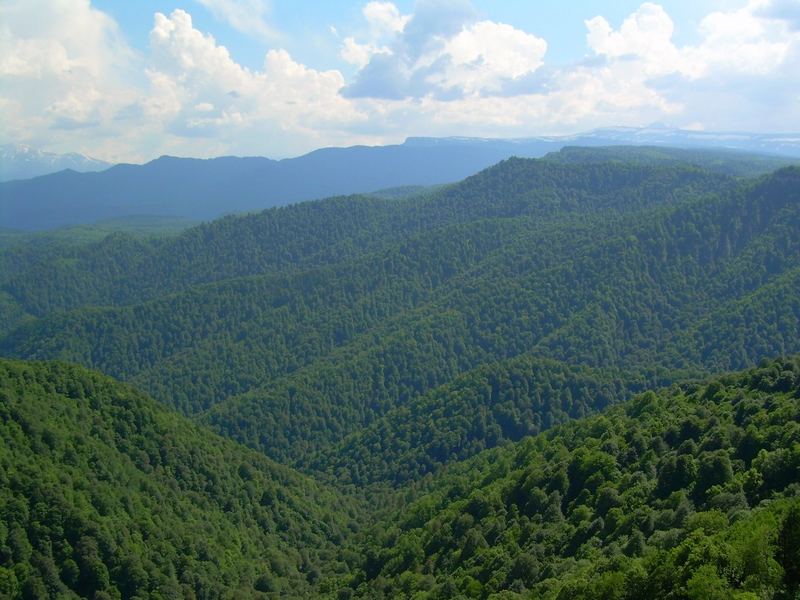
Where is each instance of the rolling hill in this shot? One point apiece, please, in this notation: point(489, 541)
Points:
point(691, 492)
point(107, 493)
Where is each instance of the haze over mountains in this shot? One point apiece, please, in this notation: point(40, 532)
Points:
point(204, 189)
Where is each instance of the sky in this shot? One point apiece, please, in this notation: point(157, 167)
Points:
point(130, 80)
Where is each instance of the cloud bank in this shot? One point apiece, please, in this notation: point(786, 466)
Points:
point(68, 80)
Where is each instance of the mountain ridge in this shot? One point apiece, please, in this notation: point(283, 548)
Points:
point(208, 188)
point(331, 314)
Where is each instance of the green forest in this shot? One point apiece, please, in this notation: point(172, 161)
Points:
point(566, 377)
point(690, 492)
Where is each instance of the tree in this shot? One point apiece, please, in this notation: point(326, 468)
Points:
point(789, 550)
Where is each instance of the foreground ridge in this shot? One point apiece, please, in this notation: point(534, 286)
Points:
point(106, 494)
point(690, 492)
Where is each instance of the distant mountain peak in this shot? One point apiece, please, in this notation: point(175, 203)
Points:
point(21, 161)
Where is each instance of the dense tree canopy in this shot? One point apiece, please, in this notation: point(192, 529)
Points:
point(692, 492)
point(298, 326)
point(104, 493)
point(430, 359)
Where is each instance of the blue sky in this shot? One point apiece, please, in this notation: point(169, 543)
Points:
point(130, 80)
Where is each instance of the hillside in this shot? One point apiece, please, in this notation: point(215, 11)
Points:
point(613, 305)
point(735, 163)
point(691, 492)
point(207, 188)
point(298, 329)
point(427, 393)
point(104, 493)
point(688, 492)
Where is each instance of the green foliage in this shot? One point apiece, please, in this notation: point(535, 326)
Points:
point(102, 491)
point(627, 522)
point(729, 162)
point(377, 342)
point(483, 408)
point(313, 331)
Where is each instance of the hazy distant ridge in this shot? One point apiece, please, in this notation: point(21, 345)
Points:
point(208, 188)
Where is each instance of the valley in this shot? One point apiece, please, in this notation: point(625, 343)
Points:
point(557, 377)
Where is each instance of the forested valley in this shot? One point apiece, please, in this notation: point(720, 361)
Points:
point(568, 377)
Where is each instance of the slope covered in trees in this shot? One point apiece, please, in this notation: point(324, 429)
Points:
point(406, 346)
point(121, 270)
point(298, 327)
point(206, 189)
point(104, 493)
point(691, 492)
point(719, 160)
point(616, 303)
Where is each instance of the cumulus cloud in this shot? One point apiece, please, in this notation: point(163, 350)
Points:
point(484, 55)
point(384, 17)
point(646, 36)
point(198, 89)
point(784, 10)
point(739, 41)
point(740, 54)
point(444, 51)
point(488, 78)
point(360, 54)
point(384, 21)
point(64, 67)
point(68, 81)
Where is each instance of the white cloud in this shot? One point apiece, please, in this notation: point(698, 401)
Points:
point(442, 50)
point(485, 54)
point(69, 82)
point(64, 73)
point(266, 111)
point(247, 16)
point(740, 73)
point(384, 17)
point(787, 11)
point(384, 22)
point(740, 41)
point(646, 35)
point(736, 41)
point(360, 54)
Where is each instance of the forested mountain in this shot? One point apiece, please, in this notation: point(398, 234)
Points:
point(443, 346)
point(202, 189)
point(729, 162)
point(303, 331)
point(123, 270)
point(143, 226)
point(106, 494)
point(693, 492)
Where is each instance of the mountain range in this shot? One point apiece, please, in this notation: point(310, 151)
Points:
point(203, 189)
point(518, 385)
